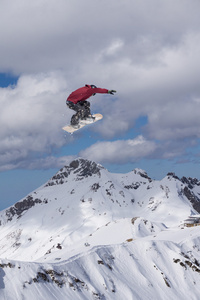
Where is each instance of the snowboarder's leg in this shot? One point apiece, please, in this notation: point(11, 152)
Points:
point(86, 111)
point(82, 109)
point(76, 117)
point(75, 120)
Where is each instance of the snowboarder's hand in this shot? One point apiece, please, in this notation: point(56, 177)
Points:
point(111, 92)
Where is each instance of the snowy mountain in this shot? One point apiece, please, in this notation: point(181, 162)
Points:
point(91, 234)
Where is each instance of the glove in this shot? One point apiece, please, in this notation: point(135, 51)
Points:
point(111, 92)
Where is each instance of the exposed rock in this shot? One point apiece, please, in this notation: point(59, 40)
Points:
point(21, 206)
point(142, 173)
point(173, 175)
point(190, 182)
point(81, 167)
point(195, 201)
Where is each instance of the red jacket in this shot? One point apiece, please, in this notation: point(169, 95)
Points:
point(84, 93)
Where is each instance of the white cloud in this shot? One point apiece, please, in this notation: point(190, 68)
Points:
point(44, 35)
point(31, 117)
point(120, 151)
point(166, 93)
point(48, 162)
point(147, 51)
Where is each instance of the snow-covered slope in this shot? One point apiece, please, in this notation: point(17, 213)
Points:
point(91, 234)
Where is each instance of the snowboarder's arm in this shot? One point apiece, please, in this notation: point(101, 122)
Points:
point(100, 90)
point(103, 91)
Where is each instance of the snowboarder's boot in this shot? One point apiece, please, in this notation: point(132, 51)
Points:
point(89, 118)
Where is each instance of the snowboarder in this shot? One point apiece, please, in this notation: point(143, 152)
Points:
point(77, 102)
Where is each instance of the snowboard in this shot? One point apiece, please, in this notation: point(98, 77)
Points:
point(82, 123)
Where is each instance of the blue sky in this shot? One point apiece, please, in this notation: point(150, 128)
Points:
point(150, 57)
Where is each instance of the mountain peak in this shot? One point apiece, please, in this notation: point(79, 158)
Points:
point(80, 168)
point(172, 175)
point(54, 238)
point(85, 167)
point(142, 173)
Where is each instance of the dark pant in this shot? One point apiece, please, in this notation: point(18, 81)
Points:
point(82, 110)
